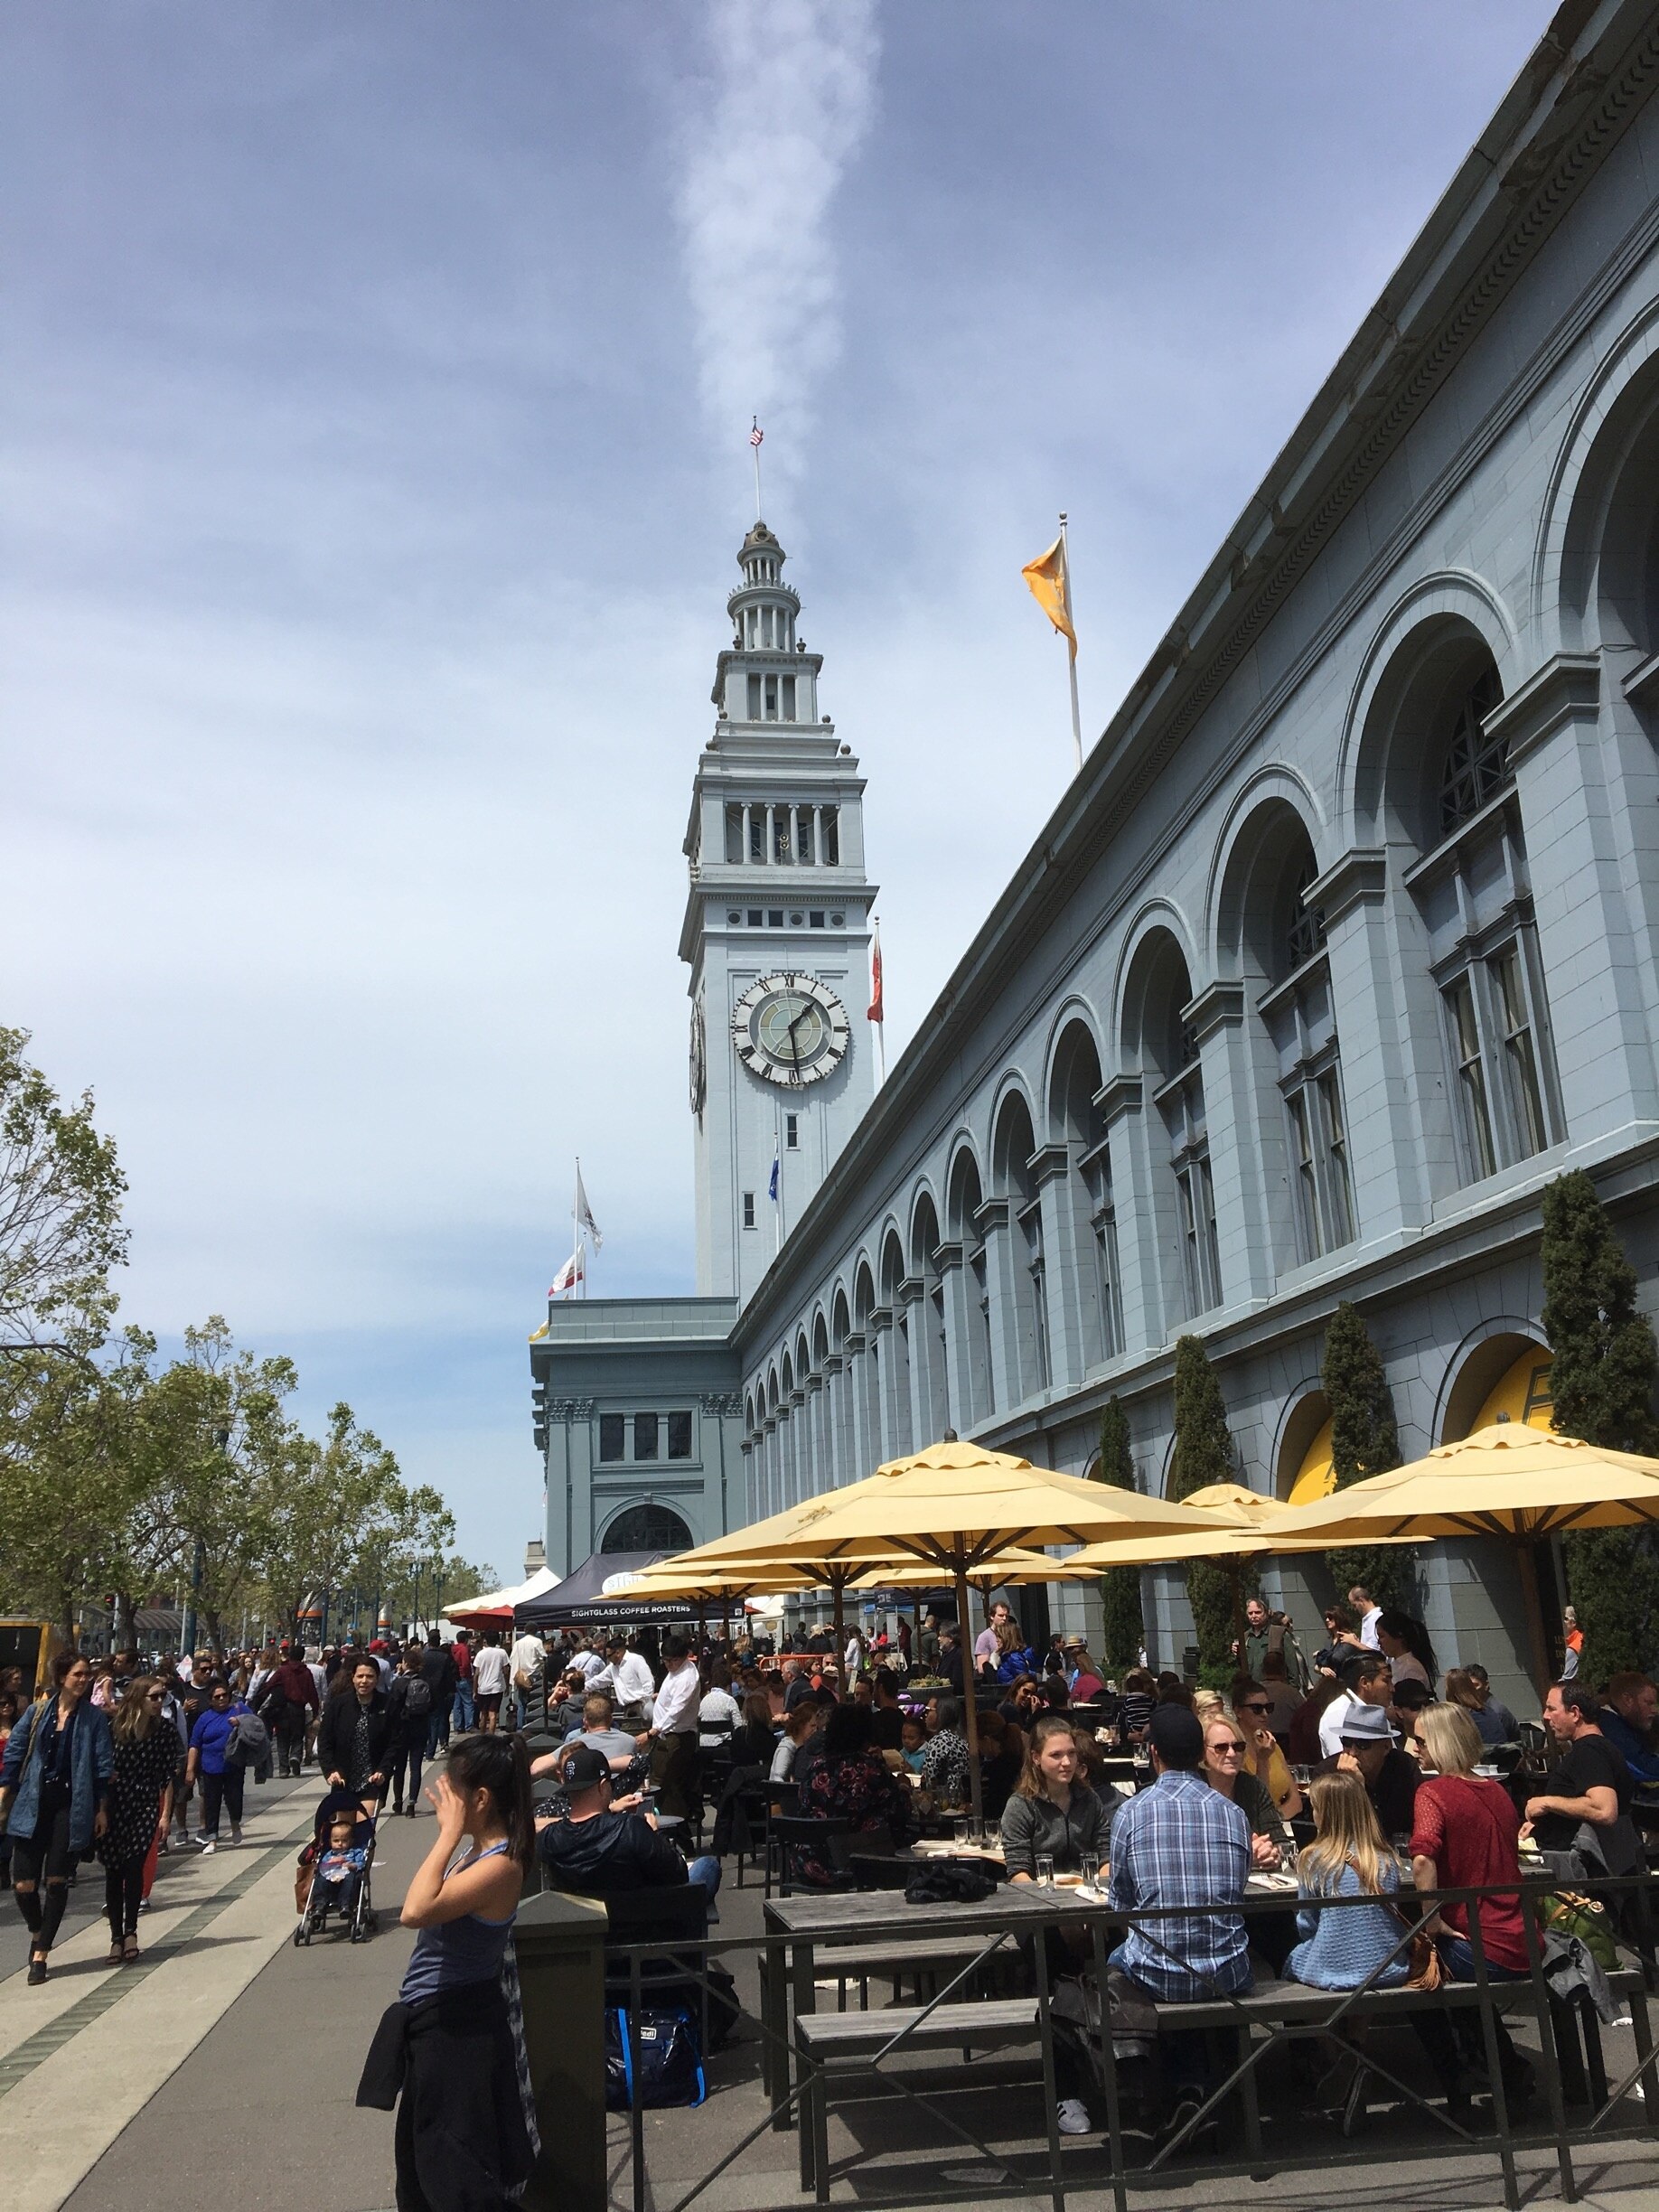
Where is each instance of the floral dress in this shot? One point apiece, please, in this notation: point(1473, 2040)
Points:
point(143, 1769)
point(860, 1791)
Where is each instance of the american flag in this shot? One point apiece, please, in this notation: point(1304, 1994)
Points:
point(756, 435)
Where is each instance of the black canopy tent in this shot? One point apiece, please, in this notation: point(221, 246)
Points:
point(580, 1600)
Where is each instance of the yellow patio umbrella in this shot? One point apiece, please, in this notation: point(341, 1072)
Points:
point(950, 1507)
point(1511, 1481)
point(1013, 1566)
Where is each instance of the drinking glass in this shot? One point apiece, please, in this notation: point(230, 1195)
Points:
point(1044, 1872)
point(1301, 1776)
point(1090, 1863)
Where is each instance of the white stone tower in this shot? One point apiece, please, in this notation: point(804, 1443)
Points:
point(776, 932)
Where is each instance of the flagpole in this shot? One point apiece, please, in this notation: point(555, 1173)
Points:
point(576, 1221)
point(1071, 656)
point(754, 446)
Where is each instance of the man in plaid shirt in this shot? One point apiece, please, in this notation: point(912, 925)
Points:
point(1181, 1843)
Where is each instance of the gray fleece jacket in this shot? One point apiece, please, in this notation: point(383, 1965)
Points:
point(1036, 1827)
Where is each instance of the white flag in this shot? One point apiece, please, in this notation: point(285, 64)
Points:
point(585, 1212)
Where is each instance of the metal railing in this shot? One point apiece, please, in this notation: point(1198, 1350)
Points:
point(1109, 2161)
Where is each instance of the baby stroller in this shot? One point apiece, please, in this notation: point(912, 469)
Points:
point(345, 1903)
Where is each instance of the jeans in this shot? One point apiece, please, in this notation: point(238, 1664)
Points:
point(520, 1709)
point(123, 1892)
point(406, 1760)
point(705, 1872)
point(463, 1714)
point(1184, 2051)
point(46, 1851)
point(224, 1790)
point(290, 1734)
point(1453, 2042)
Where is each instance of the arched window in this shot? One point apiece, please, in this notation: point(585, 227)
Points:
point(898, 1373)
point(963, 1204)
point(930, 1317)
point(1012, 1148)
point(1089, 1210)
point(1282, 959)
point(1167, 1048)
point(1473, 892)
point(649, 1527)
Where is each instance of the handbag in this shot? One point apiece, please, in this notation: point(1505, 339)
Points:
point(1426, 1972)
point(652, 2059)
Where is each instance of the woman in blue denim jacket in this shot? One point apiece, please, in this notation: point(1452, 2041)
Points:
point(54, 1786)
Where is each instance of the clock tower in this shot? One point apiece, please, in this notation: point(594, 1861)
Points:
point(776, 934)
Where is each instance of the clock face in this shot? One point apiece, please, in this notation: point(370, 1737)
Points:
point(789, 1029)
point(699, 1058)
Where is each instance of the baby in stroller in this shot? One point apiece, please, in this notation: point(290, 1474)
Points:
point(336, 1867)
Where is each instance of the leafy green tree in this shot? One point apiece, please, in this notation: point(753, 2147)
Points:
point(1125, 1630)
point(335, 1513)
point(1204, 1454)
point(1601, 1383)
point(1365, 1440)
point(61, 1230)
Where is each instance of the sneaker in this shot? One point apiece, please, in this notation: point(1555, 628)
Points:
point(210, 1847)
point(1071, 2117)
point(236, 1835)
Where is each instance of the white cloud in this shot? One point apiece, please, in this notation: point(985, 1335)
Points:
point(793, 94)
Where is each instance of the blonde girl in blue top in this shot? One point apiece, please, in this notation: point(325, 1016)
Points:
point(1348, 1858)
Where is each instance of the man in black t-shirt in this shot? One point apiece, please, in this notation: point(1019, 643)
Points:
point(1591, 1782)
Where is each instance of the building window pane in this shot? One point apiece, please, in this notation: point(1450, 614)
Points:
point(734, 834)
point(610, 1444)
point(832, 838)
point(791, 1133)
point(753, 917)
point(789, 698)
point(774, 917)
point(1189, 1244)
point(757, 833)
point(1471, 1076)
point(1308, 1188)
point(1520, 1061)
point(1212, 1245)
point(1305, 932)
point(1336, 1155)
point(772, 698)
point(780, 834)
point(748, 1209)
point(679, 1436)
point(803, 836)
point(755, 699)
point(645, 1436)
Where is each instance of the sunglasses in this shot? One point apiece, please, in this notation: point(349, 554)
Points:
point(1252, 1707)
point(1227, 1751)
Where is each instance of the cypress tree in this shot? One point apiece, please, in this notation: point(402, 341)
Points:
point(1601, 1383)
point(1365, 1440)
point(1204, 1454)
point(1120, 1586)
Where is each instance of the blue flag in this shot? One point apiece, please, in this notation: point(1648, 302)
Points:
point(772, 1188)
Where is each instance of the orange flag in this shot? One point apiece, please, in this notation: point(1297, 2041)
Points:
point(1050, 588)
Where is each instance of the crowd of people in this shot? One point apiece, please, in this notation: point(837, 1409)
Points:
point(1360, 1767)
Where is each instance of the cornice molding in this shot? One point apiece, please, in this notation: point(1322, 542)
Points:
point(1121, 1095)
point(1050, 1163)
point(1360, 878)
point(1218, 1006)
point(1566, 690)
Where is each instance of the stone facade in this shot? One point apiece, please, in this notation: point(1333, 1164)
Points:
point(1344, 941)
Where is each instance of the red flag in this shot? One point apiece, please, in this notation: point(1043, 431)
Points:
point(874, 1013)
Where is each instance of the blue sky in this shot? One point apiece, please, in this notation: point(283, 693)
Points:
point(374, 455)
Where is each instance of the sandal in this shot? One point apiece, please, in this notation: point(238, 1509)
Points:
point(116, 1953)
point(129, 1950)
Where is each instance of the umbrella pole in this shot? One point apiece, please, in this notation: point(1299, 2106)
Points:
point(1543, 1674)
point(970, 1702)
point(840, 1588)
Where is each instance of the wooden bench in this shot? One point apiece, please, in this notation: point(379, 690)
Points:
point(927, 1960)
point(1294, 2003)
point(844, 2042)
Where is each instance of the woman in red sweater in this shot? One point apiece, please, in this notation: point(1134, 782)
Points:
point(1466, 1835)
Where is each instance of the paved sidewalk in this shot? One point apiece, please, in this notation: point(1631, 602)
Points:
point(221, 2017)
